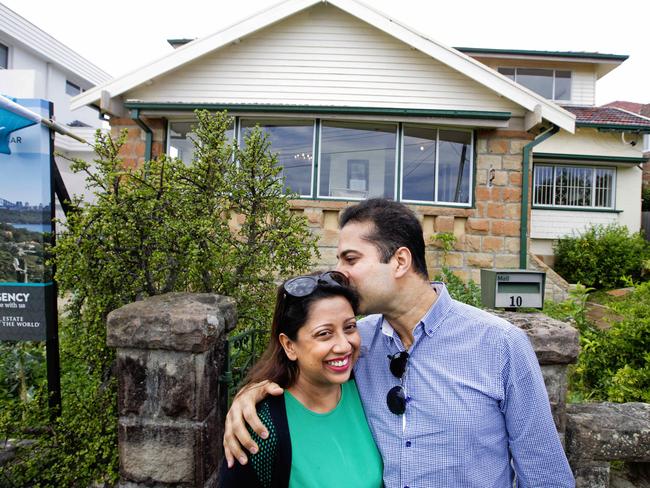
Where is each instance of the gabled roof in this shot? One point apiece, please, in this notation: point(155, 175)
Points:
point(32, 38)
point(609, 118)
point(451, 57)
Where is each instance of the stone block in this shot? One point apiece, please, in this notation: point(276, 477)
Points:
point(488, 161)
point(174, 321)
point(500, 178)
point(496, 210)
point(508, 261)
point(514, 178)
point(444, 223)
point(132, 381)
point(492, 244)
point(517, 146)
point(512, 194)
point(592, 475)
point(512, 162)
point(499, 146)
point(512, 245)
point(453, 259)
point(608, 431)
point(504, 227)
point(478, 225)
point(555, 379)
point(480, 260)
point(554, 342)
point(472, 243)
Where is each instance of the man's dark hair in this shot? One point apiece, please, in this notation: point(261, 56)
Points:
point(395, 226)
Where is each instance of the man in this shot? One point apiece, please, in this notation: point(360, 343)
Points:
point(454, 395)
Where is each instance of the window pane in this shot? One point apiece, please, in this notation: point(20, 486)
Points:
point(72, 89)
point(509, 72)
point(573, 186)
point(603, 191)
point(543, 181)
point(563, 85)
point(538, 80)
point(418, 173)
point(454, 166)
point(180, 140)
point(347, 148)
point(293, 141)
point(4, 56)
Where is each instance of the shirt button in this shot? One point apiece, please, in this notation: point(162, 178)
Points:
point(408, 443)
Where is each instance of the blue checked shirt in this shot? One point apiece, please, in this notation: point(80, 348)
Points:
point(478, 413)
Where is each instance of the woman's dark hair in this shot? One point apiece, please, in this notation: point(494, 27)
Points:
point(289, 316)
point(395, 226)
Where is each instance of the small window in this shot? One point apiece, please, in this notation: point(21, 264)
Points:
point(72, 89)
point(574, 186)
point(549, 83)
point(4, 57)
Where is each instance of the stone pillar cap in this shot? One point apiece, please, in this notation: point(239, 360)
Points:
point(173, 321)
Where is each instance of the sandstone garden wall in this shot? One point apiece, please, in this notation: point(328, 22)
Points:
point(171, 353)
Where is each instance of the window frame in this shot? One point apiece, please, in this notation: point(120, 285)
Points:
point(436, 170)
point(70, 84)
point(4, 47)
point(553, 70)
point(399, 156)
point(591, 207)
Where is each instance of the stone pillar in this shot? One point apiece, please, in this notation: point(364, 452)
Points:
point(170, 350)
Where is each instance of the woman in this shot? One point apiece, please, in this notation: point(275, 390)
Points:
point(318, 433)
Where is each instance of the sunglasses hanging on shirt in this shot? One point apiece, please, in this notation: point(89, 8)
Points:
point(396, 397)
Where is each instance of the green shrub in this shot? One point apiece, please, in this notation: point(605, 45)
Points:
point(614, 364)
point(602, 257)
point(469, 292)
point(161, 228)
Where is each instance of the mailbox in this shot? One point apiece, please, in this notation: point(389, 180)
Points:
point(512, 288)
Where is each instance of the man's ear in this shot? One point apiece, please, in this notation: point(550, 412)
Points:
point(403, 261)
point(288, 346)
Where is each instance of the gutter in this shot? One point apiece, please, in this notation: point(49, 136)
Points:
point(523, 227)
point(135, 115)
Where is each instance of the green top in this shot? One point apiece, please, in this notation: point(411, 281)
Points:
point(334, 448)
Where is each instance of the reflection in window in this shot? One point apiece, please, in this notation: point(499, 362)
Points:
point(357, 159)
point(436, 176)
point(292, 141)
point(573, 186)
point(180, 140)
point(549, 83)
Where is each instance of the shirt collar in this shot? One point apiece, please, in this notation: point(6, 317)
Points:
point(432, 318)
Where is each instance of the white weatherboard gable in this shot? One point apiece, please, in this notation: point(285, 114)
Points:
point(323, 57)
point(445, 55)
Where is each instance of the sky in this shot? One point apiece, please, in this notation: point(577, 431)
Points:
point(120, 36)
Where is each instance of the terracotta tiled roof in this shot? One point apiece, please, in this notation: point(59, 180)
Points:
point(608, 116)
point(629, 106)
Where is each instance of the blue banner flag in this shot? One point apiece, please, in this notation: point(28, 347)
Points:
point(10, 122)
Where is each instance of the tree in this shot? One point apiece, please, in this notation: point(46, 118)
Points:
point(223, 224)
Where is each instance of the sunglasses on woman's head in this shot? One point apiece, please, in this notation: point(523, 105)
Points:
point(302, 286)
point(396, 397)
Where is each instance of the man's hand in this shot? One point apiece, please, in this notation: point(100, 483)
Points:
point(243, 411)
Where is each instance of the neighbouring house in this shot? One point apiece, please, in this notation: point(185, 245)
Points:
point(35, 65)
point(494, 146)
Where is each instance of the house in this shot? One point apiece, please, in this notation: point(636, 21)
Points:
point(35, 65)
point(358, 105)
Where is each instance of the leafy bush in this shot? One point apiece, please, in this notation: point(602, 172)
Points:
point(614, 364)
point(223, 224)
point(470, 292)
point(602, 257)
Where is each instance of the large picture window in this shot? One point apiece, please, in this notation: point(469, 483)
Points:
point(550, 83)
point(573, 186)
point(436, 165)
point(357, 159)
point(293, 142)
